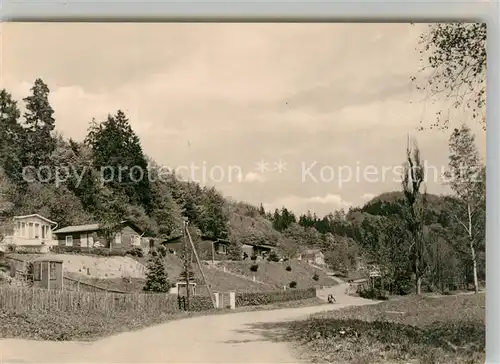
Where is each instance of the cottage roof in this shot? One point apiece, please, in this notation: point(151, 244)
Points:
point(89, 227)
point(35, 215)
point(313, 252)
point(48, 259)
point(77, 228)
point(265, 246)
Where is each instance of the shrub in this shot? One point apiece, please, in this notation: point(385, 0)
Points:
point(374, 294)
point(253, 257)
point(106, 252)
point(293, 284)
point(196, 303)
point(156, 275)
point(254, 268)
point(273, 257)
point(162, 250)
point(266, 298)
point(316, 277)
point(288, 268)
point(136, 252)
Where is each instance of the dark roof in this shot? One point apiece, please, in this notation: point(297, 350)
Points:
point(204, 238)
point(266, 246)
point(90, 227)
point(77, 228)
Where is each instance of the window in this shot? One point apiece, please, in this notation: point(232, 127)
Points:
point(52, 271)
point(69, 240)
point(37, 273)
point(90, 241)
point(18, 229)
point(118, 238)
point(30, 230)
point(43, 231)
point(222, 249)
point(37, 231)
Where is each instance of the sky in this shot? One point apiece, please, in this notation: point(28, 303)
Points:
point(308, 116)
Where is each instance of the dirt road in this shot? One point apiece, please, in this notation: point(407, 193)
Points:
point(208, 339)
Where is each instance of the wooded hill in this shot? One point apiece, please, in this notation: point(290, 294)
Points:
point(375, 231)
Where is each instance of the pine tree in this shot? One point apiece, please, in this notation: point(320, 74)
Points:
point(11, 137)
point(116, 150)
point(156, 275)
point(38, 144)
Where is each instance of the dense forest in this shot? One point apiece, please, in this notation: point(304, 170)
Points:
point(73, 182)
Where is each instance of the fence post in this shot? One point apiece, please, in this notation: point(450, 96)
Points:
point(217, 301)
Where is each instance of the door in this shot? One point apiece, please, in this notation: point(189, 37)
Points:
point(84, 243)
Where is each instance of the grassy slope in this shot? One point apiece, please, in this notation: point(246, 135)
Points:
point(275, 273)
point(448, 329)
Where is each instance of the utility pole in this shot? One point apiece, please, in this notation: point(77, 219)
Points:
point(186, 231)
point(186, 265)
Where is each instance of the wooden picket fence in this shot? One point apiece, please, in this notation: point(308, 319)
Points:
point(16, 299)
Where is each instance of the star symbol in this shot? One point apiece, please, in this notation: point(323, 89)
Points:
point(262, 166)
point(280, 166)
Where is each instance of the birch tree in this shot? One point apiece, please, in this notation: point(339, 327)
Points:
point(453, 58)
point(414, 213)
point(466, 177)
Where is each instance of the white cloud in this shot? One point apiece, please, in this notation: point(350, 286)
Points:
point(321, 205)
point(251, 177)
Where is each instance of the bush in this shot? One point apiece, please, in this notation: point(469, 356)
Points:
point(293, 284)
point(254, 268)
point(196, 303)
point(374, 294)
point(273, 257)
point(316, 277)
point(162, 250)
point(156, 276)
point(105, 252)
point(288, 268)
point(136, 252)
point(253, 257)
point(266, 298)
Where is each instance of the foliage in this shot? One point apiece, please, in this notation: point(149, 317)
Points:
point(254, 267)
point(273, 257)
point(156, 275)
point(136, 252)
point(105, 252)
point(39, 123)
point(456, 55)
point(413, 178)
point(117, 153)
point(265, 298)
point(315, 277)
point(292, 284)
point(162, 250)
point(288, 268)
point(467, 178)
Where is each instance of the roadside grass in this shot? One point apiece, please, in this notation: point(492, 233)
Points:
point(427, 330)
point(64, 326)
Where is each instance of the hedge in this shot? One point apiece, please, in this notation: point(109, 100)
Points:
point(106, 252)
point(196, 303)
point(266, 298)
